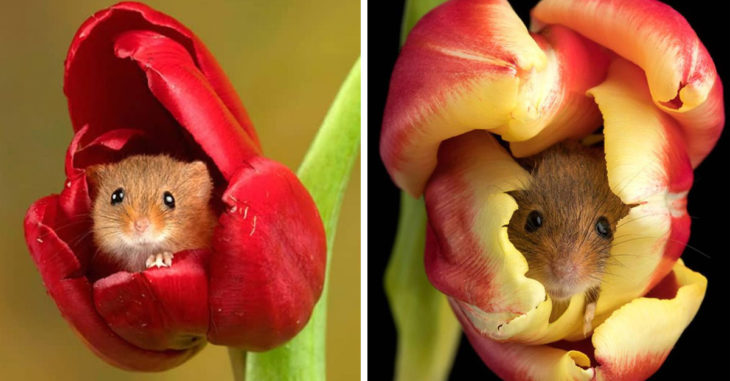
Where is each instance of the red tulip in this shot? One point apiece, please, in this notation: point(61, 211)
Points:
point(138, 81)
point(634, 66)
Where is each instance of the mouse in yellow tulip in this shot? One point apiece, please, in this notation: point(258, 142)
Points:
point(147, 207)
point(565, 223)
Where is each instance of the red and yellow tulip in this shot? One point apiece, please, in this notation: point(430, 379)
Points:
point(469, 70)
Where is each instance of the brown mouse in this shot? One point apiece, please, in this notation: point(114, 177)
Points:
point(145, 208)
point(565, 222)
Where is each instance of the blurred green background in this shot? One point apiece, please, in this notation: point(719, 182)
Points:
point(286, 59)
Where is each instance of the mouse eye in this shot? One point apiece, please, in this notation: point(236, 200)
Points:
point(168, 200)
point(534, 221)
point(117, 196)
point(603, 228)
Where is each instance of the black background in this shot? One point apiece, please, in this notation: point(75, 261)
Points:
point(702, 351)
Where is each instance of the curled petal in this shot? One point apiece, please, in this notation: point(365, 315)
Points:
point(178, 83)
point(468, 254)
point(680, 72)
point(106, 92)
point(268, 267)
point(636, 339)
point(631, 344)
point(60, 269)
point(105, 148)
point(516, 361)
point(158, 309)
point(648, 166)
point(473, 65)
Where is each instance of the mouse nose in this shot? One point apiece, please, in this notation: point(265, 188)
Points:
point(141, 224)
point(565, 270)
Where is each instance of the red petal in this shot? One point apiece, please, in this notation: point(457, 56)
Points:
point(269, 257)
point(160, 308)
point(107, 92)
point(681, 75)
point(473, 65)
point(468, 256)
point(185, 92)
point(57, 265)
point(103, 149)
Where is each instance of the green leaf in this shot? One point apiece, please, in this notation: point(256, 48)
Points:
point(428, 332)
point(325, 172)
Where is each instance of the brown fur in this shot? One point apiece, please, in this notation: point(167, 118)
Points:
point(144, 178)
point(569, 187)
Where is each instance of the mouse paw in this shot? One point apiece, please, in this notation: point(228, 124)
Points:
point(163, 259)
point(588, 318)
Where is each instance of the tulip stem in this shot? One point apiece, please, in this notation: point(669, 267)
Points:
point(426, 347)
point(238, 363)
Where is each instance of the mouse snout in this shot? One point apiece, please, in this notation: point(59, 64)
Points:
point(564, 269)
point(141, 224)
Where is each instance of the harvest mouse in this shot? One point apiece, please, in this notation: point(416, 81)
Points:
point(565, 222)
point(146, 208)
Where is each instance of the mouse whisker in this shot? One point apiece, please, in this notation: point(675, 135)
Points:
point(76, 241)
point(72, 223)
point(630, 220)
point(623, 241)
point(692, 248)
point(622, 186)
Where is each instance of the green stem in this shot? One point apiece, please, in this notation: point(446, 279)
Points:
point(428, 332)
point(414, 10)
point(325, 172)
point(238, 363)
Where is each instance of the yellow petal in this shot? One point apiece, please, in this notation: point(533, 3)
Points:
point(473, 65)
point(631, 344)
point(468, 253)
point(681, 75)
point(636, 339)
point(515, 361)
point(647, 165)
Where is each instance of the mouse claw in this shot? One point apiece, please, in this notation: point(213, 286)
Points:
point(163, 259)
point(588, 318)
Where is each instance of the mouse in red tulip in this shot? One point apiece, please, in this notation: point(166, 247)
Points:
point(565, 223)
point(145, 208)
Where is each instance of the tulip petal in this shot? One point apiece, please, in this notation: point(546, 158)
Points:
point(468, 254)
point(105, 148)
point(473, 65)
point(59, 269)
point(629, 345)
point(681, 74)
point(185, 92)
point(515, 361)
point(158, 309)
point(647, 165)
point(267, 270)
point(636, 339)
point(100, 88)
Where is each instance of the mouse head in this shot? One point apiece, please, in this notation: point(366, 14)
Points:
point(565, 219)
point(145, 204)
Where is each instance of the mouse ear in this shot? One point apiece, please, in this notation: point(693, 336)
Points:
point(199, 170)
point(94, 173)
